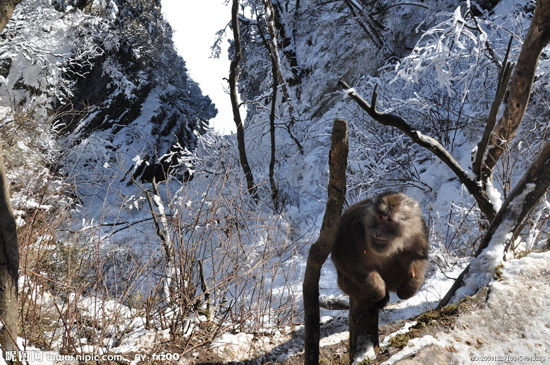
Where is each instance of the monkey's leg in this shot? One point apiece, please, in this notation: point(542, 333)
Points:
point(414, 277)
point(364, 285)
point(363, 328)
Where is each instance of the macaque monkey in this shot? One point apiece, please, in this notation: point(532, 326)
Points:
point(381, 246)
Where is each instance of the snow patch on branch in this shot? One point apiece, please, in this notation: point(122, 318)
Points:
point(350, 92)
point(494, 196)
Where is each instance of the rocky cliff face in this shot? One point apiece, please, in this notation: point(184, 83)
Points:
point(106, 72)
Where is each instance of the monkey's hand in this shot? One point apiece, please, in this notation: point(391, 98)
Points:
point(375, 287)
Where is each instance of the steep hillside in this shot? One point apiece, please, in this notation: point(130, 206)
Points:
point(106, 73)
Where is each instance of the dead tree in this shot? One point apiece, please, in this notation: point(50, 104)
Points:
point(370, 26)
point(497, 137)
point(320, 250)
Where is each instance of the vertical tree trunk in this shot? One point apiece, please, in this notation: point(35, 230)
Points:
point(163, 232)
point(233, 79)
point(537, 38)
point(320, 250)
point(273, 183)
point(9, 266)
point(9, 249)
point(363, 329)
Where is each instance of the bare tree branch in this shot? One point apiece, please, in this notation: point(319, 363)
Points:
point(365, 23)
point(521, 201)
point(535, 182)
point(273, 159)
point(429, 143)
point(504, 78)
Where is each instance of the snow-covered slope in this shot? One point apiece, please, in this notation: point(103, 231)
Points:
point(196, 251)
point(511, 327)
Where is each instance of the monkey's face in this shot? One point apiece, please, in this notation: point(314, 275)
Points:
point(386, 234)
point(389, 218)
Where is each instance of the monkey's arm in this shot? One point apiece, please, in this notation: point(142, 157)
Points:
point(362, 284)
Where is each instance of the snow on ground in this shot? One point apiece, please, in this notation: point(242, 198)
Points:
point(512, 327)
point(515, 323)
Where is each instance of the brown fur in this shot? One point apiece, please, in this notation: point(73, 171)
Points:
point(381, 246)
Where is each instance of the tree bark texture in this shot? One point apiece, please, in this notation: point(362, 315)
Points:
point(9, 266)
point(503, 80)
point(363, 327)
point(536, 39)
point(320, 250)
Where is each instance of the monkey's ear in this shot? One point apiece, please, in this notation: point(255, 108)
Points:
point(413, 274)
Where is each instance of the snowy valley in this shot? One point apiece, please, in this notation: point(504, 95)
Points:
point(140, 241)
